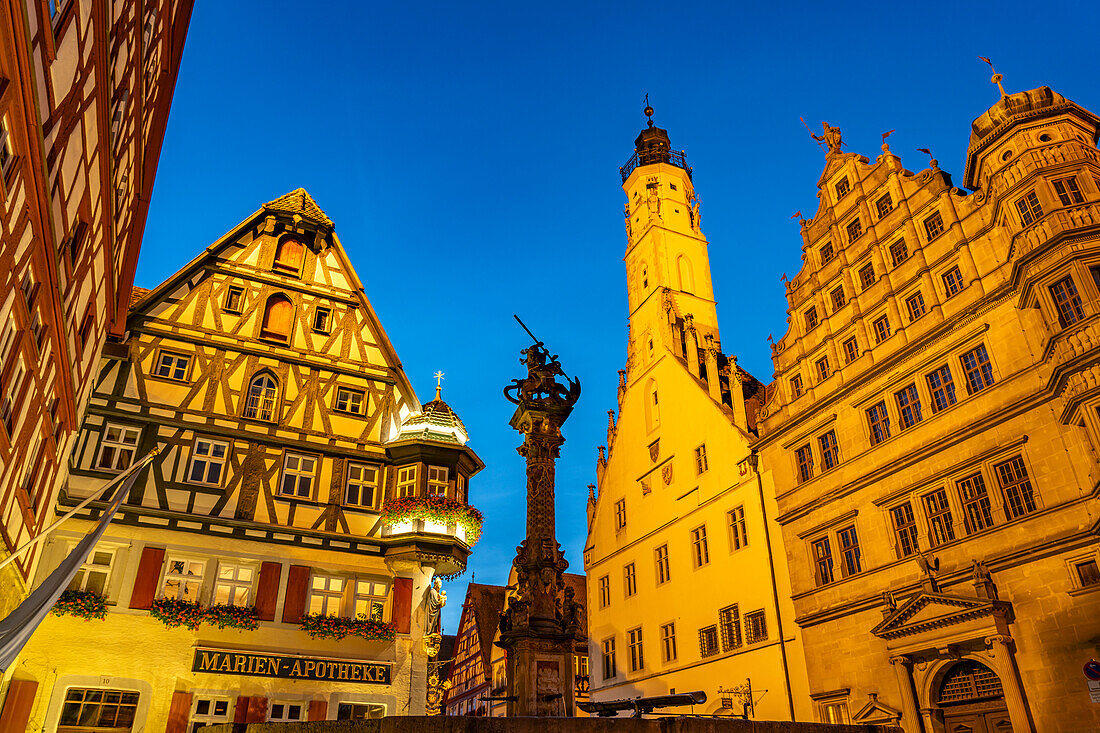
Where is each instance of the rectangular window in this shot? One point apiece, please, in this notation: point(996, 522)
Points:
point(326, 595)
point(285, 712)
point(298, 474)
point(609, 670)
point(796, 386)
point(1068, 302)
point(735, 520)
point(851, 350)
point(842, 187)
point(835, 713)
point(209, 711)
point(437, 480)
point(7, 157)
point(849, 550)
point(234, 300)
point(979, 372)
point(1019, 497)
point(822, 365)
point(233, 586)
point(406, 482)
point(370, 599)
point(879, 421)
point(867, 275)
point(117, 449)
point(1088, 574)
point(604, 584)
point(630, 580)
point(1068, 191)
point(756, 627)
point(360, 711)
point(207, 462)
point(942, 387)
point(361, 485)
point(1095, 269)
point(881, 327)
point(729, 624)
point(171, 365)
point(1029, 208)
point(854, 229)
point(952, 281)
point(805, 458)
point(811, 318)
point(823, 561)
point(708, 641)
point(838, 298)
point(933, 226)
point(701, 459)
point(908, 406)
point(94, 573)
point(349, 400)
point(700, 554)
point(668, 641)
point(634, 641)
point(620, 514)
point(322, 320)
point(905, 530)
point(884, 205)
point(915, 305)
point(661, 557)
point(977, 512)
point(182, 579)
point(941, 524)
point(899, 252)
point(98, 709)
point(827, 253)
point(830, 451)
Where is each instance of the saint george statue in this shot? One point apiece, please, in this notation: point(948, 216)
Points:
point(831, 136)
point(437, 599)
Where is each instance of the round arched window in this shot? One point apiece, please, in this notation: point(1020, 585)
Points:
point(969, 681)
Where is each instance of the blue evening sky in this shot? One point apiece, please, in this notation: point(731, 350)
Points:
point(468, 154)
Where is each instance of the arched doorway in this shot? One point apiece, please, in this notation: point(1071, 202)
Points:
point(972, 700)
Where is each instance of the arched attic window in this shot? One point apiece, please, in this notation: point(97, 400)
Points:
point(289, 253)
point(278, 318)
point(263, 397)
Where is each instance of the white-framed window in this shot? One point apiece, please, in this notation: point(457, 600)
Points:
point(284, 712)
point(208, 710)
point(172, 365)
point(117, 449)
point(233, 585)
point(298, 475)
point(95, 573)
point(112, 710)
point(349, 400)
point(207, 462)
point(326, 595)
point(406, 481)
point(701, 459)
point(182, 579)
point(437, 480)
point(263, 394)
point(360, 711)
point(370, 599)
point(361, 485)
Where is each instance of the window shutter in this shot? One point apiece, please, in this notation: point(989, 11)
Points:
point(402, 605)
point(17, 706)
point(278, 317)
point(178, 713)
point(257, 710)
point(148, 573)
point(318, 710)
point(267, 590)
point(297, 592)
point(240, 711)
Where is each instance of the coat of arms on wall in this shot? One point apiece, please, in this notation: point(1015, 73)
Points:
point(666, 473)
point(654, 450)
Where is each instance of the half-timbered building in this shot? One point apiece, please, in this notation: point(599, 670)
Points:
point(274, 563)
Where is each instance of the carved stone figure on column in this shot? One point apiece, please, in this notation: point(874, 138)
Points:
point(437, 599)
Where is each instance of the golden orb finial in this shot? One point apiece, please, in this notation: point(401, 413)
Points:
point(648, 111)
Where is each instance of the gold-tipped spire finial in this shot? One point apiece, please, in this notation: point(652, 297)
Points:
point(439, 385)
point(648, 111)
point(996, 78)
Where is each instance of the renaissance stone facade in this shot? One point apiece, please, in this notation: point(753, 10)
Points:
point(932, 433)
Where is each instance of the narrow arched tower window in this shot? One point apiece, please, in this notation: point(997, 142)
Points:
point(278, 318)
point(263, 395)
point(652, 407)
point(687, 276)
point(288, 256)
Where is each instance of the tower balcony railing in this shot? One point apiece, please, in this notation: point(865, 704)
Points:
point(649, 157)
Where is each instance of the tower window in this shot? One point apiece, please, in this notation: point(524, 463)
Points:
point(1068, 191)
point(289, 253)
point(842, 188)
point(884, 205)
point(899, 252)
point(645, 277)
point(854, 229)
point(1029, 208)
point(933, 226)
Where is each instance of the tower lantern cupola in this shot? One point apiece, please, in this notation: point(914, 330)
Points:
point(652, 146)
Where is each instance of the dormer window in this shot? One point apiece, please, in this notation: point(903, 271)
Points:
point(278, 318)
point(289, 254)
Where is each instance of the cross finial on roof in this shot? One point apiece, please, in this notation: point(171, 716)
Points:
point(438, 385)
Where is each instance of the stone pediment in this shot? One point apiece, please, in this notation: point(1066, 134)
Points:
point(926, 611)
point(876, 712)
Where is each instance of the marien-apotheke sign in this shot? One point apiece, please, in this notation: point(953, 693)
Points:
point(256, 664)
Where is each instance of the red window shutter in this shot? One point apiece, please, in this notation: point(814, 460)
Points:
point(257, 710)
point(267, 590)
point(318, 709)
point(297, 592)
point(402, 605)
point(179, 712)
point(240, 712)
point(145, 586)
point(17, 706)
